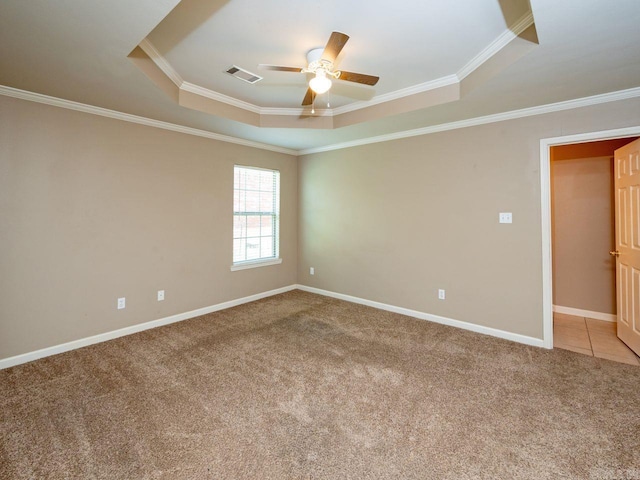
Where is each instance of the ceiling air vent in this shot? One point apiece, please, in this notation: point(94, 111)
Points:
point(243, 74)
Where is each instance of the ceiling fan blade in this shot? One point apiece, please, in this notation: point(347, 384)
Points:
point(308, 98)
point(278, 68)
point(335, 44)
point(358, 78)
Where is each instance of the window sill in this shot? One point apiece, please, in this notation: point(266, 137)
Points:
point(257, 263)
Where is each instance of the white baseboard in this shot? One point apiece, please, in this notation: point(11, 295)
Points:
point(494, 332)
point(607, 317)
point(103, 337)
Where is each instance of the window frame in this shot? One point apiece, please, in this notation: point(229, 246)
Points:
point(274, 214)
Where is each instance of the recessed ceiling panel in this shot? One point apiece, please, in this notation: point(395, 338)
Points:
point(404, 44)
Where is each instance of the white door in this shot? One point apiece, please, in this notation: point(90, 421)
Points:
point(627, 210)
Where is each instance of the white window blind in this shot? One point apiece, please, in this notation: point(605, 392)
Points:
point(256, 214)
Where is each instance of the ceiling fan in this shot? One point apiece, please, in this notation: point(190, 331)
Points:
point(321, 64)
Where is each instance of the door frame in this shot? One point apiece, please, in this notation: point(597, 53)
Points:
point(545, 202)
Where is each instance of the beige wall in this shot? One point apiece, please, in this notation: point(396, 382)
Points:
point(583, 234)
point(393, 222)
point(92, 209)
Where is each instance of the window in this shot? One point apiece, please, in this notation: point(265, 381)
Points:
point(256, 211)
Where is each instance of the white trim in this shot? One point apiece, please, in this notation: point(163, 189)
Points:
point(498, 44)
point(514, 337)
point(103, 337)
point(545, 213)
point(257, 263)
point(498, 117)
point(295, 112)
point(592, 136)
point(166, 67)
point(219, 97)
point(127, 117)
point(327, 112)
point(547, 263)
point(494, 47)
point(578, 312)
point(398, 94)
point(161, 62)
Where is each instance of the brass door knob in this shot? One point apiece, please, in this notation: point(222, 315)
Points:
point(615, 253)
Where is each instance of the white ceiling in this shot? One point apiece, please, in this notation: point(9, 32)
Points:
point(77, 50)
point(419, 43)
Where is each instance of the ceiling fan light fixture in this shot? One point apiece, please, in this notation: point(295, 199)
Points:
point(320, 83)
point(320, 64)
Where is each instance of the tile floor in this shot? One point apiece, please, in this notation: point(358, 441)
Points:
point(591, 337)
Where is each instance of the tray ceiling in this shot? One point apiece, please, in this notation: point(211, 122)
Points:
point(441, 64)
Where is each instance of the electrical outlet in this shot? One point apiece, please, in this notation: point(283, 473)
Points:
point(441, 294)
point(505, 217)
point(160, 295)
point(312, 271)
point(121, 303)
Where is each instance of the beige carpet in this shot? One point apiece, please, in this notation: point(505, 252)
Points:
point(301, 386)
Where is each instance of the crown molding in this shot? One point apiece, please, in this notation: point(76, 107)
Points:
point(205, 92)
point(175, 77)
point(290, 111)
point(398, 94)
point(498, 117)
point(234, 102)
point(219, 97)
point(162, 63)
point(498, 44)
point(127, 117)
point(296, 112)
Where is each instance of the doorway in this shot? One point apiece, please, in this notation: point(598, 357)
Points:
point(546, 213)
point(582, 229)
point(583, 235)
